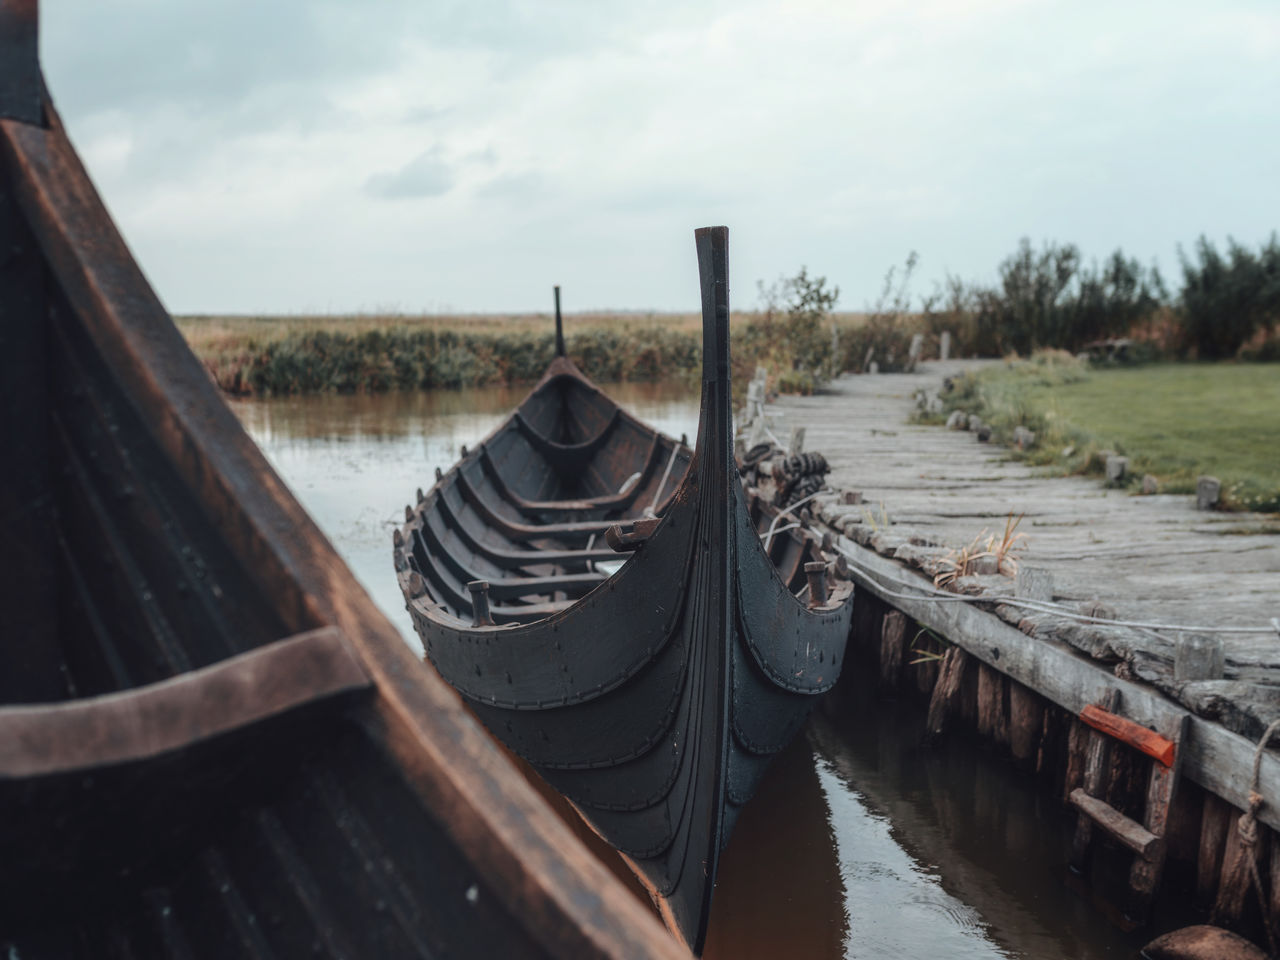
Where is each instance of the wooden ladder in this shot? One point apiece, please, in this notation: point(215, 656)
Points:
point(1145, 839)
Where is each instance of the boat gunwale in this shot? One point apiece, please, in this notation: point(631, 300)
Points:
point(547, 880)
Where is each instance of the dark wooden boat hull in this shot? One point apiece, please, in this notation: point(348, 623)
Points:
point(654, 697)
point(211, 742)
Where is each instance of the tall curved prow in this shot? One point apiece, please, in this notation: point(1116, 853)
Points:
point(710, 482)
point(560, 351)
point(653, 698)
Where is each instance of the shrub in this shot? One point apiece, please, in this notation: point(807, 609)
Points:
point(1049, 299)
point(406, 359)
point(793, 335)
point(1227, 300)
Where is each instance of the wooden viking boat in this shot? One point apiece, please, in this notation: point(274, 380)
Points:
point(651, 693)
point(212, 744)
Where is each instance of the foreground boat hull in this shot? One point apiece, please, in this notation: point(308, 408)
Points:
point(211, 743)
point(655, 700)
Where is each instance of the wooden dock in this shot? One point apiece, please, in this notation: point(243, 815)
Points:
point(1122, 583)
point(1143, 559)
point(1156, 558)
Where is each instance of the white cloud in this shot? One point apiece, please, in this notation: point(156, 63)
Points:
point(320, 155)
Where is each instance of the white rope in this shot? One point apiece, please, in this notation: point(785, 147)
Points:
point(934, 595)
point(768, 537)
point(650, 510)
point(790, 526)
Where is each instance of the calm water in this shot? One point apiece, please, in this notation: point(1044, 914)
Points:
point(861, 842)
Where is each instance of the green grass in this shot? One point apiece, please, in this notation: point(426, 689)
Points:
point(1174, 421)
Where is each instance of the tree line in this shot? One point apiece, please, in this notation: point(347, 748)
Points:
point(1227, 306)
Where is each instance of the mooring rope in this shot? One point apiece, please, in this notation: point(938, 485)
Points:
point(1247, 827)
point(767, 536)
point(651, 509)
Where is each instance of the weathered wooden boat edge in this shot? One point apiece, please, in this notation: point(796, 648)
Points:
point(567, 901)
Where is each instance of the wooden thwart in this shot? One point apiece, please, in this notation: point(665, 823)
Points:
point(49, 739)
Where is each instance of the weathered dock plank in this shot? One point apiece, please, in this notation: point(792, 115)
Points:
point(1217, 759)
point(1144, 559)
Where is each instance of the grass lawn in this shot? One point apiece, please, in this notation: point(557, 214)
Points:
point(1175, 421)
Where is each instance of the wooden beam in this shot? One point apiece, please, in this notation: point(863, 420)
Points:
point(19, 62)
point(1097, 755)
point(1129, 832)
point(945, 701)
point(95, 732)
point(1135, 735)
point(1162, 789)
point(893, 632)
point(1214, 757)
point(30, 667)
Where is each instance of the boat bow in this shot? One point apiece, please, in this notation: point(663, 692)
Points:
point(656, 700)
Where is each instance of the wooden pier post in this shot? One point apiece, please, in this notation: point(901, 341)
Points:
point(1097, 755)
point(1026, 718)
point(1215, 820)
point(893, 634)
point(947, 692)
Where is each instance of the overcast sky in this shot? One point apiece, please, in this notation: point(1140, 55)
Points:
point(430, 155)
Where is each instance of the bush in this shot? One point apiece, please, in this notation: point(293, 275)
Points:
point(1049, 299)
point(793, 335)
point(886, 335)
point(422, 359)
point(1226, 301)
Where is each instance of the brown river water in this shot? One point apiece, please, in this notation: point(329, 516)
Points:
point(862, 841)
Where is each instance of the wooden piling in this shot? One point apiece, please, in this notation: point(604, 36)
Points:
point(1051, 754)
point(1162, 786)
point(893, 634)
point(948, 691)
point(1096, 763)
point(1234, 879)
point(1273, 846)
point(1026, 720)
point(988, 700)
point(1215, 821)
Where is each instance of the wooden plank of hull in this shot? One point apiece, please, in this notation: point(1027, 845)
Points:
point(656, 703)
point(385, 825)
